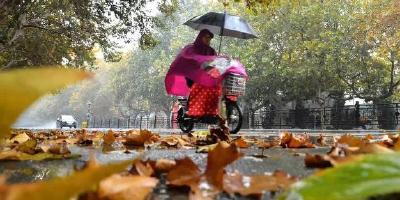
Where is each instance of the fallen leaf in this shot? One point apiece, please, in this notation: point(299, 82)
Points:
point(164, 165)
point(144, 168)
point(384, 140)
point(289, 140)
point(317, 161)
point(20, 138)
point(83, 138)
point(175, 141)
point(219, 134)
point(15, 155)
point(119, 187)
point(241, 142)
point(218, 158)
point(351, 141)
point(109, 138)
point(321, 140)
point(201, 133)
point(28, 147)
point(139, 138)
point(169, 141)
point(21, 91)
point(61, 149)
point(185, 173)
point(396, 145)
point(372, 148)
point(205, 148)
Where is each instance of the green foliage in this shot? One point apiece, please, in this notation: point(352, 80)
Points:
point(65, 32)
point(306, 50)
point(369, 175)
point(312, 50)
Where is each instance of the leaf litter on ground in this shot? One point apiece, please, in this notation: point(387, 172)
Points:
point(214, 180)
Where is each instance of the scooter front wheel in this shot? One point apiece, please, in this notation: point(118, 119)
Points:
point(235, 117)
point(186, 126)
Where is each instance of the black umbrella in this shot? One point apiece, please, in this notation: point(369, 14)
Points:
point(222, 24)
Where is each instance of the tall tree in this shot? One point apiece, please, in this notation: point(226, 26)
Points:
point(45, 32)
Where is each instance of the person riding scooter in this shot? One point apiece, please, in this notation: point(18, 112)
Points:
point(210, 83)
point(186, 77)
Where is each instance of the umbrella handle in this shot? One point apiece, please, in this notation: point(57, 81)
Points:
point(222, 32)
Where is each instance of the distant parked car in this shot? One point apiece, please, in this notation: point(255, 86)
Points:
point(66, 121)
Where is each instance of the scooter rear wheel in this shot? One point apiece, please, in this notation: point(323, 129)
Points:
point(235, 117)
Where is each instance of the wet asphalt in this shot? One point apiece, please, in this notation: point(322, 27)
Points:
point(289, 160)
point(251, 163)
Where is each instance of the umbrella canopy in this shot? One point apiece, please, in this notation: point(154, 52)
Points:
point(222, 24)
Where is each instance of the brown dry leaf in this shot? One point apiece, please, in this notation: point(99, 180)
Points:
point(317, 161)
point(139, 138)
point(16, 155)
point(241, 142)
point(175, 141)
point(343, 153)
point(258, 184)
point(205, 148)
point(372, 148)
point(396, 145)
point(119, 187)
point(351, 141)
point(150, 168)
point(61, 149)
point(20, 138)
point(385, 141)
point(44, 147)
point(164, 165)
point(28, 147)
point(185, 173)
point(289, 140)
point(109, 138)
point(218, 158)
point(144, 168)
point(83, 138)
point(169, 141)
point(321, 140)
point(219, 134)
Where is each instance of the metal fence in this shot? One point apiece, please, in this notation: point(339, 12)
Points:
point(382, 116)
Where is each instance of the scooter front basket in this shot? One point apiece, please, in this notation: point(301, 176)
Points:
point(234, 85)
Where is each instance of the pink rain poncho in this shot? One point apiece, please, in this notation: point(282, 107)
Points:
point(187, 64)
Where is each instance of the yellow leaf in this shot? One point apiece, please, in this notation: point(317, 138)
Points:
point(218, 158)
point(109, 138)
point(20, 138)
point(20, 88)
point(15, 155)
point(119, 187)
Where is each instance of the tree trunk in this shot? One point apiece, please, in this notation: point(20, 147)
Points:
point(385, 114)
point(337, 113)
point(246, 116)
point(301, 116)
